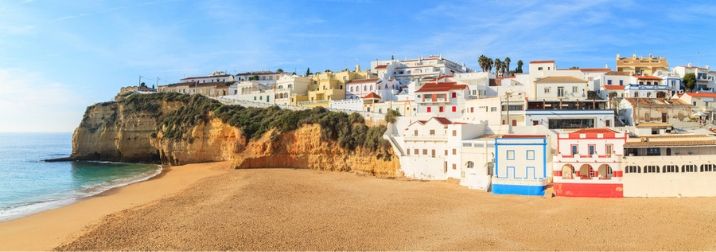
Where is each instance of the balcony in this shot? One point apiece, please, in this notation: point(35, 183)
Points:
point(647, 87)
point(587, 159)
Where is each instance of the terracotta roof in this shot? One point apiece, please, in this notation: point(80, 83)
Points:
point(522, 136)
point(593, 132)
point(363, 80)
point(541, 61)
point(613, 87)
point(380, 66)
point(595, 69)
point(701, 95)
point(704, 143)
point(618, 73)
point(559, 79)
point(371, 95)
point(648, 77)
point(440, 86)
point(441, 120)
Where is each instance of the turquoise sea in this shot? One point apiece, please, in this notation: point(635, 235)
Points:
point(29, 185)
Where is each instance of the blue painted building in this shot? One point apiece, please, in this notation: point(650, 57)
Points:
point(520, 165)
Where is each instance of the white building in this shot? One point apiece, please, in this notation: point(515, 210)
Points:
point(441, 99)
point(267, 78)
point(291, 89)
point(252, 91)
point(432, 148)
point(217, 76)
point(704, 78)
point(408, 70)
point(386, 89)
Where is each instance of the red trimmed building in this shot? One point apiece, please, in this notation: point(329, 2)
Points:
point(588, 163)
point(441, 99)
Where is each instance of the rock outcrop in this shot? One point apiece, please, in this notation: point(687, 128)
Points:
point(136, 132)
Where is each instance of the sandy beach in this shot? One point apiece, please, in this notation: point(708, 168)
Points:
point(285, 209)
point(46, 230)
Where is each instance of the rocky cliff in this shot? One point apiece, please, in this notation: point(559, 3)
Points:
point(180, 129)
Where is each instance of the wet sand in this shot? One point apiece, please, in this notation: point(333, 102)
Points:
point(286, 209)
point(48, 229)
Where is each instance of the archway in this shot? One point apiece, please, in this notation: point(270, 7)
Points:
point(567, 171)
point(605, 171)
point(585, 171)
point(660, 94)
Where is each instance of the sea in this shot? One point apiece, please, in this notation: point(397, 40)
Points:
point(29, 185)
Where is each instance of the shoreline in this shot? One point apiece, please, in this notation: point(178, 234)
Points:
point(39, 207)
point(61, 224)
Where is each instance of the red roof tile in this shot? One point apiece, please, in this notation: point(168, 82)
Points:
point(592, 133)
point(442, 120)
point(371, 95)
point(380, 66)
point(647, 77)
point(613, 87)
point(440, 86)
point(702, 95)
point(541, 61)
point(522, 136)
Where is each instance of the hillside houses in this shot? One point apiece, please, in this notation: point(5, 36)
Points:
point(574, 130)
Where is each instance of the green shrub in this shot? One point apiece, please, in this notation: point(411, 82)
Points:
point(391, 115)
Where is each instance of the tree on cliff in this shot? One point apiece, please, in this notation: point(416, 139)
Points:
point(308, 71)
point(391, 115)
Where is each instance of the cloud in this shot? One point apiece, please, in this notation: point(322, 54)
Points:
point(31, 103)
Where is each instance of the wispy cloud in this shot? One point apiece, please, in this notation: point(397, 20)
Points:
point(29, 102)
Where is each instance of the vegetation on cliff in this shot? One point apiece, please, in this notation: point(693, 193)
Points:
point(349, 131)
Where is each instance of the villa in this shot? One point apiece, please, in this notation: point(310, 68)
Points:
point(587, 163)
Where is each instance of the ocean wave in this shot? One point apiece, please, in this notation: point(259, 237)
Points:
point(59, 200)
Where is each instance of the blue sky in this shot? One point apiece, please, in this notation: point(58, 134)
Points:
point(58, 56)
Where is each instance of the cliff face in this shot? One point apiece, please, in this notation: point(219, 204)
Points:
point(120, 131)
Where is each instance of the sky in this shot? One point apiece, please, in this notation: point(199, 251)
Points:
point(58, 56)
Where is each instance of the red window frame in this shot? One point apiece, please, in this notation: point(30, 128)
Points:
point(454, 109)
point(429, 109)
point(441, 109)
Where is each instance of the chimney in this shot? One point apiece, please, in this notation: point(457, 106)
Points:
point(357, 68)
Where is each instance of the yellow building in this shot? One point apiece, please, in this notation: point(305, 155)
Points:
point(329, 86)
point(641, 65)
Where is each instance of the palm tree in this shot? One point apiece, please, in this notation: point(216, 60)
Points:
point(507, 64)
point(498, 66)
point(489, 64)
point(519, 66)
point(482, 61)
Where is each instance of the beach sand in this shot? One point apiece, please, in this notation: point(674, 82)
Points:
point(46, 230)
point(287, 209)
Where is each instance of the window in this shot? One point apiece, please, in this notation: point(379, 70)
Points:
point(608, 150)
point(688, 168)
point(653, 152)
point(428, 109)
point(609, 82)
point(454, 95)
point(539, 68)
point(671, 168)
point(592, 149)
point(454, 109)
point(407, 150)
point(454, 166)
point(470, 164)
point(425, 151)
point(510, 155)
point(560, 91)
point(632, 169)
point(454, 151)
point(530, 155)
point(575, 89)
point(546, 90)
point(415, 132)
point(416, 151)
point(651, 169)
point(707, 167)
point(432, 132)
point(493, 109)
point(621, 82)
point(432, 153)
point(575, 150)
point(441, 109)
point(454, 132)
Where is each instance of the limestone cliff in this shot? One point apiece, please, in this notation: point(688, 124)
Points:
point(175, 129)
